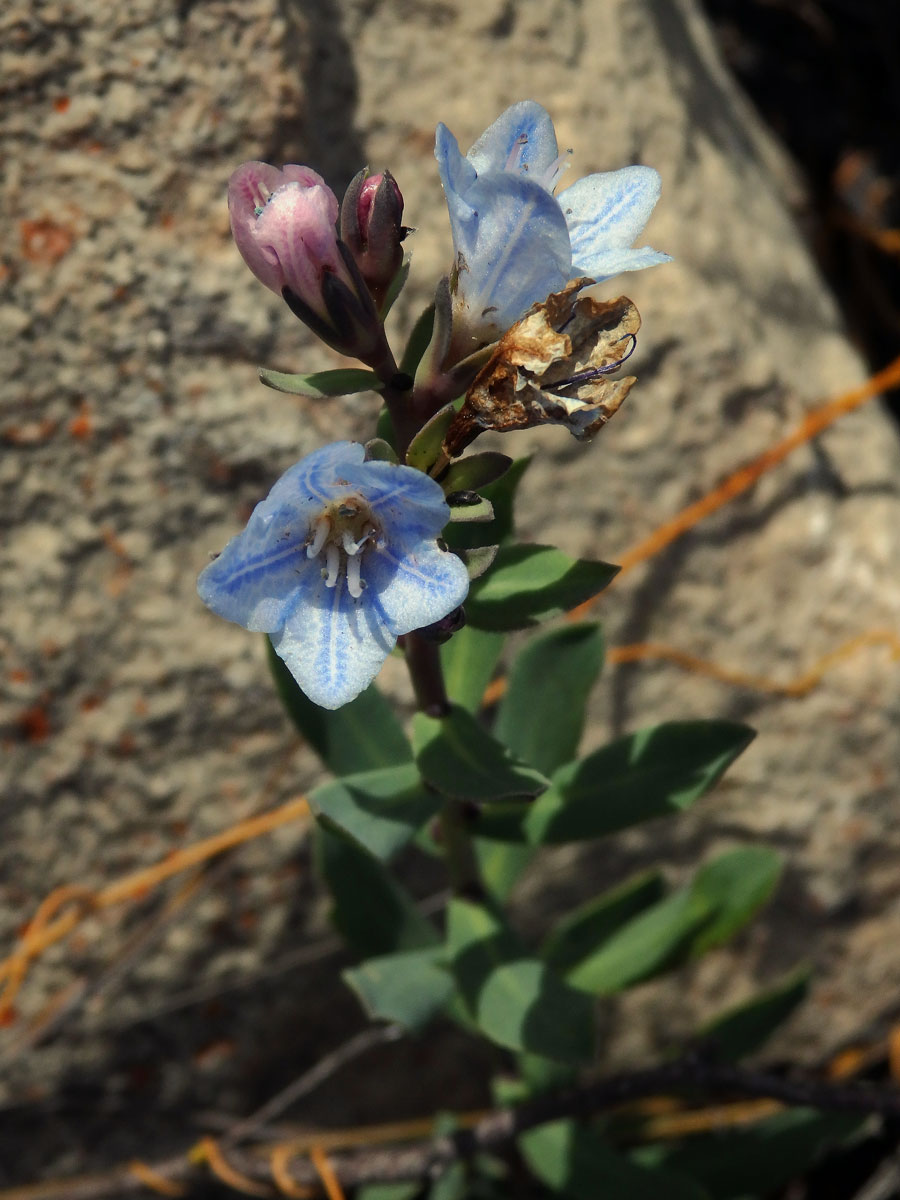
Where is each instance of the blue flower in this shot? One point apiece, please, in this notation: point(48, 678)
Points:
point(515, 242)
point(338, 561)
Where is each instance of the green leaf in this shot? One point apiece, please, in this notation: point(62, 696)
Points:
point(735, 885)
point(372, 912)
point(652, 773)
point(452, 1185)
point(643, 946)
point(587, 928)
point(529, 584)
point(459, 758)
point(743, 1029)
point(425, 448)
point(500, 864)
point(502, 495)
point(515, 1000)
point(418, 342)
point(345, 381)
point(358, 737)
point(408, 988)
point(469, 660)
point(388, 1191)
point(381, 809)
point(474, 472)
point(541, 715)
point(575, 1161)
point(384, 428)
point(756, 1162)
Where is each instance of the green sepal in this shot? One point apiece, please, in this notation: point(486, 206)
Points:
point(744, 1028)
point(409, 988)
point(477, 560)
point(515, 1000)
point(345, 381)
point(531, 583)
point(425, 448)
point(381, 450)
point(431, 360)
point(575, 1161)
point(384, 428)
point(502, 495)
point(395, 287)
point(360, 736)
point(480, 510)
point(417, 343)
point(382, 810)
point(475, 472)
point(372, 912)
point(459, 758)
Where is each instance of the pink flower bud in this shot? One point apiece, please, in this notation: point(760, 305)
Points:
point(284, 226)
point(371, 225)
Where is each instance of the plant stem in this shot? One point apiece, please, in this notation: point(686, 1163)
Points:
point(423, 661)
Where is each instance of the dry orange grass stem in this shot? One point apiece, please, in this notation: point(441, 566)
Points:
point(47, 927)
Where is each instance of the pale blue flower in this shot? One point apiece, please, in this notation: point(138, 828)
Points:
point(338, 561)
point(515, 242)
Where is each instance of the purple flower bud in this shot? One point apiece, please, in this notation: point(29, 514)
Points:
point(283, 223)
point(371, 225)
point(284, 226)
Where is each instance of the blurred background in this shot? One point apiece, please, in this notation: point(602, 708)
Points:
point(135, 439)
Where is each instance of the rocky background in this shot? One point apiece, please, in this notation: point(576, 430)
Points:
point(135, 439)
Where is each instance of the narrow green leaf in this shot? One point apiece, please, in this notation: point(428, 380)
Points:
point(408, 988)
point(478, 559)
point(587, 928)
point(459, 758)
point(541, 715)
point(381, 809)
point(372, 912)
point(474, 472)
point(452, 1185)
point(529, 584)
point(418, 342)
point(384, 428)
point(362, 735)
point(643, 946)
point(469, 660)
point(575, 1161)
point(737, 1164)
point(736, 885)
point(652, 773)
point(515, 1000)
point(345, 381)
point(743, 1029)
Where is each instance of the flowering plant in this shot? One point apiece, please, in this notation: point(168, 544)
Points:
point(401, 540)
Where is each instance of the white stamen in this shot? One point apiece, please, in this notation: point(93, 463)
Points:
point(354, 586)
point(349, 545)
point(321, 533)
point(332, 563)
point(515, 155)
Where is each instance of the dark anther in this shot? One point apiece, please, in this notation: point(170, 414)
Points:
point(595, 372)
point(463, 499)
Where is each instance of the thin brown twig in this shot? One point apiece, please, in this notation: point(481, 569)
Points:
point(491, 1131)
